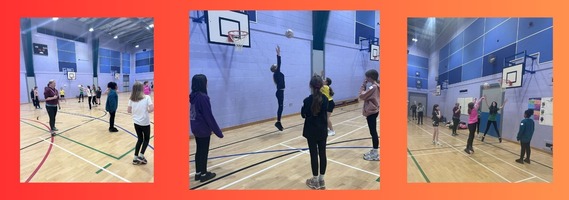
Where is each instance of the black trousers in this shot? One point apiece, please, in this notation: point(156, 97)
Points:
point(143, 134)
point(36, 102)
point(471, 130)
point(280, 99)
point(420, 118)
point(51, 112)
point(478, 125)
point(495, 127)
point(525, 149)
point(89, 100)
point(202, 150)
point(112, 119)
point(81, 97)
point(372, 125)
point(317, 149)
point(455, 123)
point(414, 114)
point(94, 100)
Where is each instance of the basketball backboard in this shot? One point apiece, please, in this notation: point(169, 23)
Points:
point(513, 76)
point(220, 22)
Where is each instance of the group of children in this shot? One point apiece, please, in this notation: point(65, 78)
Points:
point(316, 111)
point(524, 135)
point(93, 95)
point(139, 105)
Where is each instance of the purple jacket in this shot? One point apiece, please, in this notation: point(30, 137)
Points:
point(202, 122)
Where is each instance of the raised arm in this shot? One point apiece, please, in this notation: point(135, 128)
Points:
point(278, 58)
point(503, 104)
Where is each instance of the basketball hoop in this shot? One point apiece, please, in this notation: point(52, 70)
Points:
point(505, 83)
point(238, 38)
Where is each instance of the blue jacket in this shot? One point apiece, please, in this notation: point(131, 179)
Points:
point(112, 101)
point(526, 130)
point(202, 122)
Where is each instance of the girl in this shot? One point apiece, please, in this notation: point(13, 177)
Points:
point(314, 112)
point(81, 97)
point(436, 119)
point(89, 96)
point(62, 94)
point(94, 95)
point(139, 105)
point(112, 104)
point(455, 118)
point(420, 113)
point(279, 79)
point(524, 136)
point(329, 93)
point(370, 95)
point(472, 121)
point(99, 91)
point(146, 88)
point(492, 118)
point(51, 103)
point(35, 97)
point(202, 123)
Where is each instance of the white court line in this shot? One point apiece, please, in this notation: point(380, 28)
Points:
point(424, 154)
point(282, 143)
point(496, 173)
point(258, 172)
point(352, 125)
point(508, 163)
point(86, 160)
point(270, 147)
point(526, 179)
point(340, 163)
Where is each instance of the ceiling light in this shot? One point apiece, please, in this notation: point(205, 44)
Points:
point(55, 18)
point(151, 25)
point(91, 29)
point(414, 39)
point(116, 36)
point(136, 46)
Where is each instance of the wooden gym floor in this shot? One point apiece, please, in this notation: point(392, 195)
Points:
point(491, 162)
point(83, 150)
point(259, 156)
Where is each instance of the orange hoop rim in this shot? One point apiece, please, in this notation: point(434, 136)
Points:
point(236, 33)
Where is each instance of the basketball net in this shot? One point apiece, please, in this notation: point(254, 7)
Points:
point(238, 38)
point(505, 83)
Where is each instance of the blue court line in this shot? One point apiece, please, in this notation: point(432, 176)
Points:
point(81, 115)
point(280, 150)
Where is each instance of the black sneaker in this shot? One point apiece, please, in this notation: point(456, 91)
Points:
point(279, 126)
point(482, 139)
point(197, 177)
point(527, 160)
point(53, 133)
point(500, 140)
point(467, 151)
point(520, 161)
point(113, 129)
point(207, 176)
point(136, 161)
point(142, 160)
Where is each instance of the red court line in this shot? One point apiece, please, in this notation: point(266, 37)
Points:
point(46, 154)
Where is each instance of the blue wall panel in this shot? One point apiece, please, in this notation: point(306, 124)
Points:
point(503, 35)
point(455, 60)
point(492, 22)
point(541, 42)
point(498, 65)
point(444, 52)
point(474, 31)
point(472, 70)
point(455, 75)
point(443, 66)
point(423, 72)
point(473, 50)
point(528, 26)
point(456, 43)
point(417, 61)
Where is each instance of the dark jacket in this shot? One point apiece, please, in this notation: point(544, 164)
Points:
point(112, 101)
point(315, 127)
point(202, 122)
point(51, 92)
point(278, 76)
point(525, 133)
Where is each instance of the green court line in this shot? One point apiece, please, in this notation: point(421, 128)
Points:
point(418, 166)
point(122, 156)
point(84, 145)
point(105, 167)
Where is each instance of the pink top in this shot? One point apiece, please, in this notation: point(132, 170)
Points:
point(146, 90)
point(473, 118)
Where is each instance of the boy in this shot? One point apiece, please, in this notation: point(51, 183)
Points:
point(112, 104)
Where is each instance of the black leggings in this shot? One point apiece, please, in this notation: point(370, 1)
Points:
point(420, 118)
point(89, 100)
point(414, 114)
point(94, 100)
point(495, 127)
point(478, 125)
point(372, 125)
point(455, 123)
point(317, 149)
point(202, 150)
point(51, 111)
point(36, 102)
point(471, 130)
point(112, 119)
point(280, 99)
point(81, 97)
point(525, 149)
point(143, 134)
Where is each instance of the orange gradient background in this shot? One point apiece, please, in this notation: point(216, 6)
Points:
point(171, 115)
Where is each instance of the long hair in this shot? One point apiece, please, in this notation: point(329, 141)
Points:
point(199, 83)
point(373, 74)
point(137, 93)
point(435, 110)
point(315, 85)
point(329, 82)
point(470, 107)
point(493, 108)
